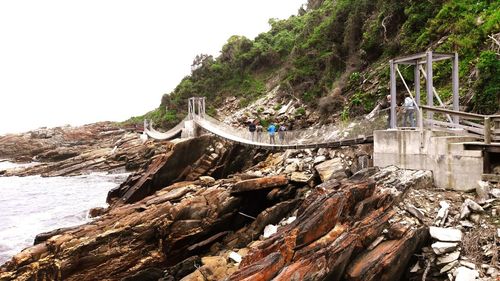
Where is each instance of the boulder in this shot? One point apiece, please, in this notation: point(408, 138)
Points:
point(319, 159)
point(482, 191)
point(331, 169)
point(443, 247)
point(466, 274)
point(97, 211)
point(447, 258)
point(207, 181)
point(446, 234)
point(301, 177)
point(259, 184)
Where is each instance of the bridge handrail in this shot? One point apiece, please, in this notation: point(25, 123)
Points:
point(489, 131)
point(165, 135)
point(356, 129)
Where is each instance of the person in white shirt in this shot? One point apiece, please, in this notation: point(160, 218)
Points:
point(409, 114)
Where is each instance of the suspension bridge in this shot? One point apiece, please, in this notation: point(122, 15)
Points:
point(356, 131)
point(459, 147)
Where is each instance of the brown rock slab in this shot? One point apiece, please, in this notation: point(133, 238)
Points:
point(259, 184)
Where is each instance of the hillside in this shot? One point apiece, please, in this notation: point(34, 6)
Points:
point(331, 59)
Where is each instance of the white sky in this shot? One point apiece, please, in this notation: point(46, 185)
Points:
point(77, 62)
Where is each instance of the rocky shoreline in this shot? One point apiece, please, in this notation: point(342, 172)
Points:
point(70, 151)
point(206, 209)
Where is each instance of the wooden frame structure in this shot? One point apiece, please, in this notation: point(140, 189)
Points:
point(419, 61)
point(196, 106)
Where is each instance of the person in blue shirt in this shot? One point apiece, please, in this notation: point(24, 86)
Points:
point(271, 130)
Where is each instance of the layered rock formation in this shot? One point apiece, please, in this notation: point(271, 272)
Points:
point(194, 227)
point(66, 151)
point(186, 160)
point(206, 209)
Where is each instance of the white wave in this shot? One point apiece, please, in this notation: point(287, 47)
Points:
point(31, 205)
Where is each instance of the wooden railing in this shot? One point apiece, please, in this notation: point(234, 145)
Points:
point(486, 127)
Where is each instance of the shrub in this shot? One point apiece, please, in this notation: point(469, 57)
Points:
point(487, 87)
point(300, 111)
point(331, 104)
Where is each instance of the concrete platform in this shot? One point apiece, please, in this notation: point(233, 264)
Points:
point(442, 153)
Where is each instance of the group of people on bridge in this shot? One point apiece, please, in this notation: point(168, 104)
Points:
point(256, 130)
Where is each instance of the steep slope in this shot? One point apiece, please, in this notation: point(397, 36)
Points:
point(332, 58)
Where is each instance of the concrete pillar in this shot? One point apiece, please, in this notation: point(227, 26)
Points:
point(393, 122)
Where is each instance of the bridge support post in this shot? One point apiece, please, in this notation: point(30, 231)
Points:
point(429, 84)
point(416, 72)
point(393, 95)
point(455, 87)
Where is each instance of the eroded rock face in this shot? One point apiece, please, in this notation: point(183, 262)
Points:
point(182, 218)
point(186, 160)
point(67, 151)
point(330, 237)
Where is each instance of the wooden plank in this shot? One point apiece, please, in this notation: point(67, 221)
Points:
point(472, 124)
point(457, 126)
point(491, 177)
point(454, 112)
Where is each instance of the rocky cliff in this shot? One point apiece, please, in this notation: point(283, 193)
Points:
point(64, 151)
point(211, 210)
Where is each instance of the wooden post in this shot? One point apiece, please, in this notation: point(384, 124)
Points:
point(393, 122)
point(421, 119)
point(417, 83)
point(429, 84)
point(487, 130)
point(455, 88)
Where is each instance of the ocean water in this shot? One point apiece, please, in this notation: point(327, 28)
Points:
point(31, 205)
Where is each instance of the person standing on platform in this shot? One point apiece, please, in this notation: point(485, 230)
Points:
point(409, 108)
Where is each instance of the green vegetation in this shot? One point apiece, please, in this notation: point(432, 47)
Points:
point(487, 87)
point(343, 46)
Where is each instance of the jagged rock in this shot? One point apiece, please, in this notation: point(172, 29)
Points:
point(331, 169)
point(466, 274)
point(446, 234)
point(482, 191)
point(443, 247)
point(335, 224)
point(469, 206)
point(319, 159)
point(71, 151)
point(206, 180)
point(447, 258)
point(468, 264)
point(186, 160)
point(148, 274)
point(448, 267)
point(235, 257)
point(131, 236)
point(388, 260)
point(495, 192)
point(291, 168)
point(442, 213)
point(415, 212)
point(98, 211)
point(301, 177)
point(466, 224)
point(259, 183)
